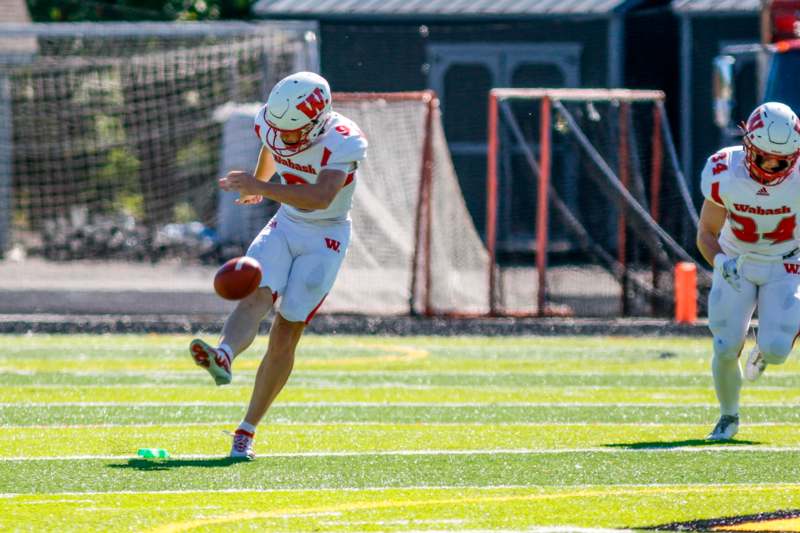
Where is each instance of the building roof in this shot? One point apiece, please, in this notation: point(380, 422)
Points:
point(393, 9)
point(691, 7)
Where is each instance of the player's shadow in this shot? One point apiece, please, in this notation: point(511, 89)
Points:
point(688, 443)
point(169, 464)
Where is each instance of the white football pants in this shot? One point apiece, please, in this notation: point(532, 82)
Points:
point(300, 261)
point(772, 286)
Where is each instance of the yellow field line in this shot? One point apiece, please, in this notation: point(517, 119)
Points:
point(395, 353)
point(384, 503)
point(778, 524)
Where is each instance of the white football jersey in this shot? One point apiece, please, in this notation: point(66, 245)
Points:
point(340, 147)
point(761, 218)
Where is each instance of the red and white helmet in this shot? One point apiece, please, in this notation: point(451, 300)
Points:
point(772, 131)
point(298, 103)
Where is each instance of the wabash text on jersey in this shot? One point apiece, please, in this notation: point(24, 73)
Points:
point(340, 147)
point(761, 219)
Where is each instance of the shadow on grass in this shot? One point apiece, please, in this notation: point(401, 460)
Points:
point(169, 464)
point(666, 444)
point(753, 522)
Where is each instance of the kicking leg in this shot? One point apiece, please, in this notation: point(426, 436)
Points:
point(238, 333)
point(241, 327)
point(271, 250)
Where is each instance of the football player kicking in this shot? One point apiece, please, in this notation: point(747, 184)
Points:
point(315, 152)
point(748, 232)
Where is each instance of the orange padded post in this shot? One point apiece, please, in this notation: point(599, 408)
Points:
point(686, 292)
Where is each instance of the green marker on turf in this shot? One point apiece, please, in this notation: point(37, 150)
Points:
point(153, 453)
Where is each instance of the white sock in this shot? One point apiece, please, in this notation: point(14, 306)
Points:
point(250, 428)
point(224, 348)
point(727, 382)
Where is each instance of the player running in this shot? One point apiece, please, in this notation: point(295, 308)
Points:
point(748, 232)
point(315, 152)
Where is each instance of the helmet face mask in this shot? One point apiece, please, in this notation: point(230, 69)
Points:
point(777, 164)
point(298, 107)
point(771, 139)
point(276, 142)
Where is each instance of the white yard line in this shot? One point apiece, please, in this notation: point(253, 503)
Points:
point(371, 373)
point(392, 405)
point(558, 488)
point(388, 385)
point(388, 423)
point(121, 404)
point(415, 453)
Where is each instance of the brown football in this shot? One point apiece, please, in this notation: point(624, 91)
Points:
point(237, 278)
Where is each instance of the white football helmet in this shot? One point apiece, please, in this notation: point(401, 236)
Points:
point(298, 103)
point(772, 131)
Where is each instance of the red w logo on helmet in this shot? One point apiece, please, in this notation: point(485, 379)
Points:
point(313, 104)
point(755, 122)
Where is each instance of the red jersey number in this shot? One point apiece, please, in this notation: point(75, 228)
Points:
point(293, 179)
point(783, 232)
point(345, 130)
point(719, 167)
point(747, 231)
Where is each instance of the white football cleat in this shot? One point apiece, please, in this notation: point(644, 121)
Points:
point(243, 445)
point(217, 363)
point(755, 365)
point(727, 427)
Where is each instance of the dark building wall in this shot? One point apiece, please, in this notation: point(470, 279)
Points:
point(652, 57)
point(708, 35)
point(652, 61)
point(392, 57)
point(372, 57)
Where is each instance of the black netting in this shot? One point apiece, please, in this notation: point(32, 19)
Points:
point(114, 147)
point(610, 250)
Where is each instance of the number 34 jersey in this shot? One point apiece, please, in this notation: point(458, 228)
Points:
point(340, 146)
point(761, 218)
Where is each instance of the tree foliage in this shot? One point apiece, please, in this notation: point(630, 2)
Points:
point(121, 10)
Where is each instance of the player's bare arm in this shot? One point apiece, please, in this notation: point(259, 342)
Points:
point(265, 169)
point(312, 196)
point(712, 218)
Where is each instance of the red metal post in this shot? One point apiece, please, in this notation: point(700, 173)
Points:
point(542, 205)
point(493, 141)
point(624, 176)
point(427, 179)
point(402, 96)
point(655, 190)
point(422, 221)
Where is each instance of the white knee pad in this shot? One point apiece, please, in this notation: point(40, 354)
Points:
point(775, 346)
point(727, 349)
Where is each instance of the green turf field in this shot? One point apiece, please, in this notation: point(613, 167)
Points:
point(388, 434)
